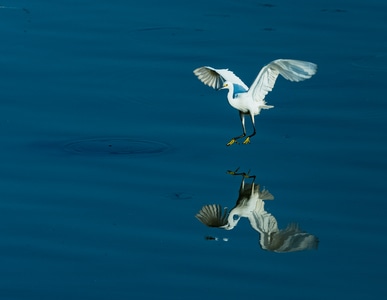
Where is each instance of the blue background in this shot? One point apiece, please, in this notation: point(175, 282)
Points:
point(78, 221)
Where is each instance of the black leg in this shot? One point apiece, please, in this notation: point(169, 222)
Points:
point(247, 140)
point(244, 176)
point(234, 139)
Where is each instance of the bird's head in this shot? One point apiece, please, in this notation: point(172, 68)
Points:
point(226, 85)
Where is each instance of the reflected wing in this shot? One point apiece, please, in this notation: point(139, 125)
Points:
point(292, 239)
point(293, 70)
point(216, 77)
point(212, 215)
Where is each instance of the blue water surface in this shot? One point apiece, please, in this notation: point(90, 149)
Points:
point(111, 146)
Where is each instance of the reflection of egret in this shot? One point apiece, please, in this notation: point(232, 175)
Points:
point(250, 101)
point(250, 204)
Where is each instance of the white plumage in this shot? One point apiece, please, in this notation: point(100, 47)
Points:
point(250, 101)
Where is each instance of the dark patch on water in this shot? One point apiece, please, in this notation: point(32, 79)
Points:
point(179, 196)
point(267, 5)
point(333, 10)
point(214, 238)
point(116, 146)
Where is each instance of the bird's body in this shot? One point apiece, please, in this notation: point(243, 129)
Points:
point(250, 101)
point(241, 100)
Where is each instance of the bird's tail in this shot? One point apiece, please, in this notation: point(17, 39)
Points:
point(266, 195)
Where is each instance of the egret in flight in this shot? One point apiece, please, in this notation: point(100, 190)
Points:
point(250, 101)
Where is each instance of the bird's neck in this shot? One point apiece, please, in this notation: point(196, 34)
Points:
point(232, 97)
point(233, 91)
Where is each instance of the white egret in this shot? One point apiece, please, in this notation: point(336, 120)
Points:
point(250, 101)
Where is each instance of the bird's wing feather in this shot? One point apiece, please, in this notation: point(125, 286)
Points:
point(213, 215)
point(216, 77)
point(293, 70)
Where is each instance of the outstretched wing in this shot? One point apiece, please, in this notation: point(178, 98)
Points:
point(293, 70)
point(216, 77)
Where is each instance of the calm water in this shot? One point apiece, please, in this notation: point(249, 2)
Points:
point(111, 146)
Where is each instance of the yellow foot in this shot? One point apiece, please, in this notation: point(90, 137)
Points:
point(246, 175)
point(233, 141)
point(246, 141)
point(232, 172)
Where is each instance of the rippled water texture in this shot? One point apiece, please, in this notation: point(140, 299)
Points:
point(111, 146)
